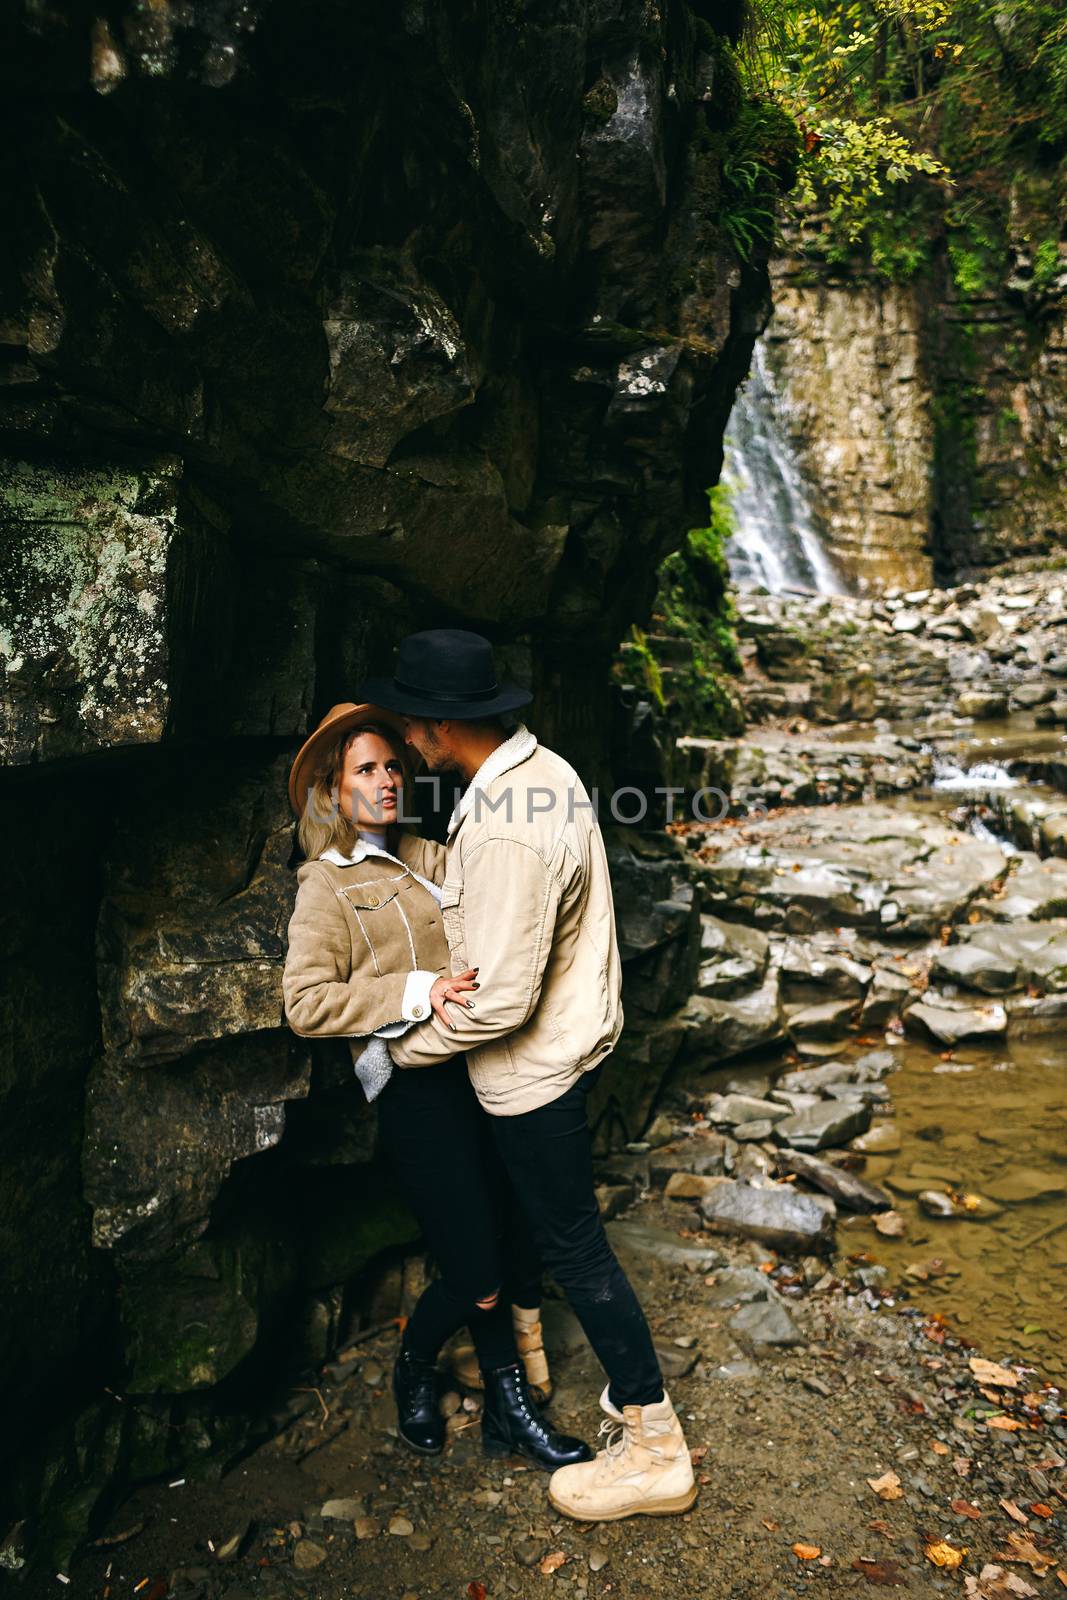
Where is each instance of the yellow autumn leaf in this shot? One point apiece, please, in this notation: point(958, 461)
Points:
point(943, 1554)
point(887, 1487)
point(807, 1552)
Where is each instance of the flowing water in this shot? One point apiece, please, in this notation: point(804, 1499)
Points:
point(988, 1120)
point(777, 544)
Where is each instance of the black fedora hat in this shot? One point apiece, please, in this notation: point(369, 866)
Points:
point(445, 672)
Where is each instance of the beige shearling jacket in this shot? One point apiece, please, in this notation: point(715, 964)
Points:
point(366, 940)
point(527, 899)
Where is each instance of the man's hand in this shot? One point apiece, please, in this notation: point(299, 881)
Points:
point(454, 990)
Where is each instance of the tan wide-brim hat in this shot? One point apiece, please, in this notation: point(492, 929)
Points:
point(340, 719)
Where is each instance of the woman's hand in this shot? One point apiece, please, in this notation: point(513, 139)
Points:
point(454, 990)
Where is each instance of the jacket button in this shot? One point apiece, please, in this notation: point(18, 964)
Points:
point(417, 1011)
point(372, 900)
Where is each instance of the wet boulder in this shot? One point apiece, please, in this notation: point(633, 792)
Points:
point(831, 1122)
point(703, 1155)
point(846, 1188)
point(732, 957)
point(777, 1216)
point(726, 1028)
point(950, 1023)
point(732, 1109)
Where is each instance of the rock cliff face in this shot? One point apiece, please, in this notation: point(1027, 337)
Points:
point(929, 425)
point(318, 324)
point(853, 397)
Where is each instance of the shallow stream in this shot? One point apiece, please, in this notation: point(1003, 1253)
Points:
point(991, 1121)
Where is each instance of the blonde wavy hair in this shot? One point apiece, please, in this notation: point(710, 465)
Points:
point(324, 825)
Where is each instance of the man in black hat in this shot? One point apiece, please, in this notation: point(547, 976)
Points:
point(527, 899)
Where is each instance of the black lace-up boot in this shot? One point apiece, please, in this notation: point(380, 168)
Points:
point(512, 1424)
point(418, 1420)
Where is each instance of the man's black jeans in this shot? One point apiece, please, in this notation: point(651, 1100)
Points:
point(549, 1158)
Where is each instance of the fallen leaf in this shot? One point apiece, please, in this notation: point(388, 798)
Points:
point(1024, 1550)
point(995, 1584)
point(552, 1563)
point(1005, 1424)
point(883, 1572)
point(962, 1465)
point(697, 1454)
point(964, 1508)
point(1040, 1509)
point(887, 1487)
point(1014, 1513)
point(880, 1525)
point(476, 1591)
point(943, 1554)
point(807, 1552)
point(889, 1223)
point(1062, 1576)
point(990, 1372)
point(770, 1524)
point(939, 1449)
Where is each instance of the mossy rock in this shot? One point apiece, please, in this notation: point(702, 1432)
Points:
point(600, 103)
point(188, 1324)
point(718, 62)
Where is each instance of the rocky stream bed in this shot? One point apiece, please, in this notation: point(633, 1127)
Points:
point(848, 1213)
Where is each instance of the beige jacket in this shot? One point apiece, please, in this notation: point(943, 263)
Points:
point(366, 940)
point(526, 899)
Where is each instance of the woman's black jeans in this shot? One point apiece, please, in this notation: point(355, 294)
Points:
point(436, 1138)
point(549, 1157)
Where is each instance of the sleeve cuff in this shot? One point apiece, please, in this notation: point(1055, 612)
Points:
point(416, 1005)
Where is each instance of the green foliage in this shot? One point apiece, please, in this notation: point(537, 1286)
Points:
point(1047, 264)
point(759, 162)
point(916, 116)
point(693, 603)
point(649, 666)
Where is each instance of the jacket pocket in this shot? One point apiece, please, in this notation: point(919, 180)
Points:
point(370, 896)
point(452, 918)
point(382, 926)
point(489, 1065)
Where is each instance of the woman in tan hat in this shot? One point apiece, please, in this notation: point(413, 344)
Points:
point(368, 959)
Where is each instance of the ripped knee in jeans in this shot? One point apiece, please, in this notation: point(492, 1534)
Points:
point(490, 1301)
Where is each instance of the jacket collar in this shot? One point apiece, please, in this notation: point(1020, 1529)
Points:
point(360, 851)
point(364, 848)
point(518, 747)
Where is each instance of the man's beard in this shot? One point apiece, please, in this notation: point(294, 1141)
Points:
point(435, 756)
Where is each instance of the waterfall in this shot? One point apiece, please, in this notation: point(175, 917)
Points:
point(776, 544)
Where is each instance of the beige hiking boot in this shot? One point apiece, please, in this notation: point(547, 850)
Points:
point(529, 1340)
point(644, 1470)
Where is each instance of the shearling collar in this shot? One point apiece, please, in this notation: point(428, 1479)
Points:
point(518, 747)
point(363, 848)
point(360, 851)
